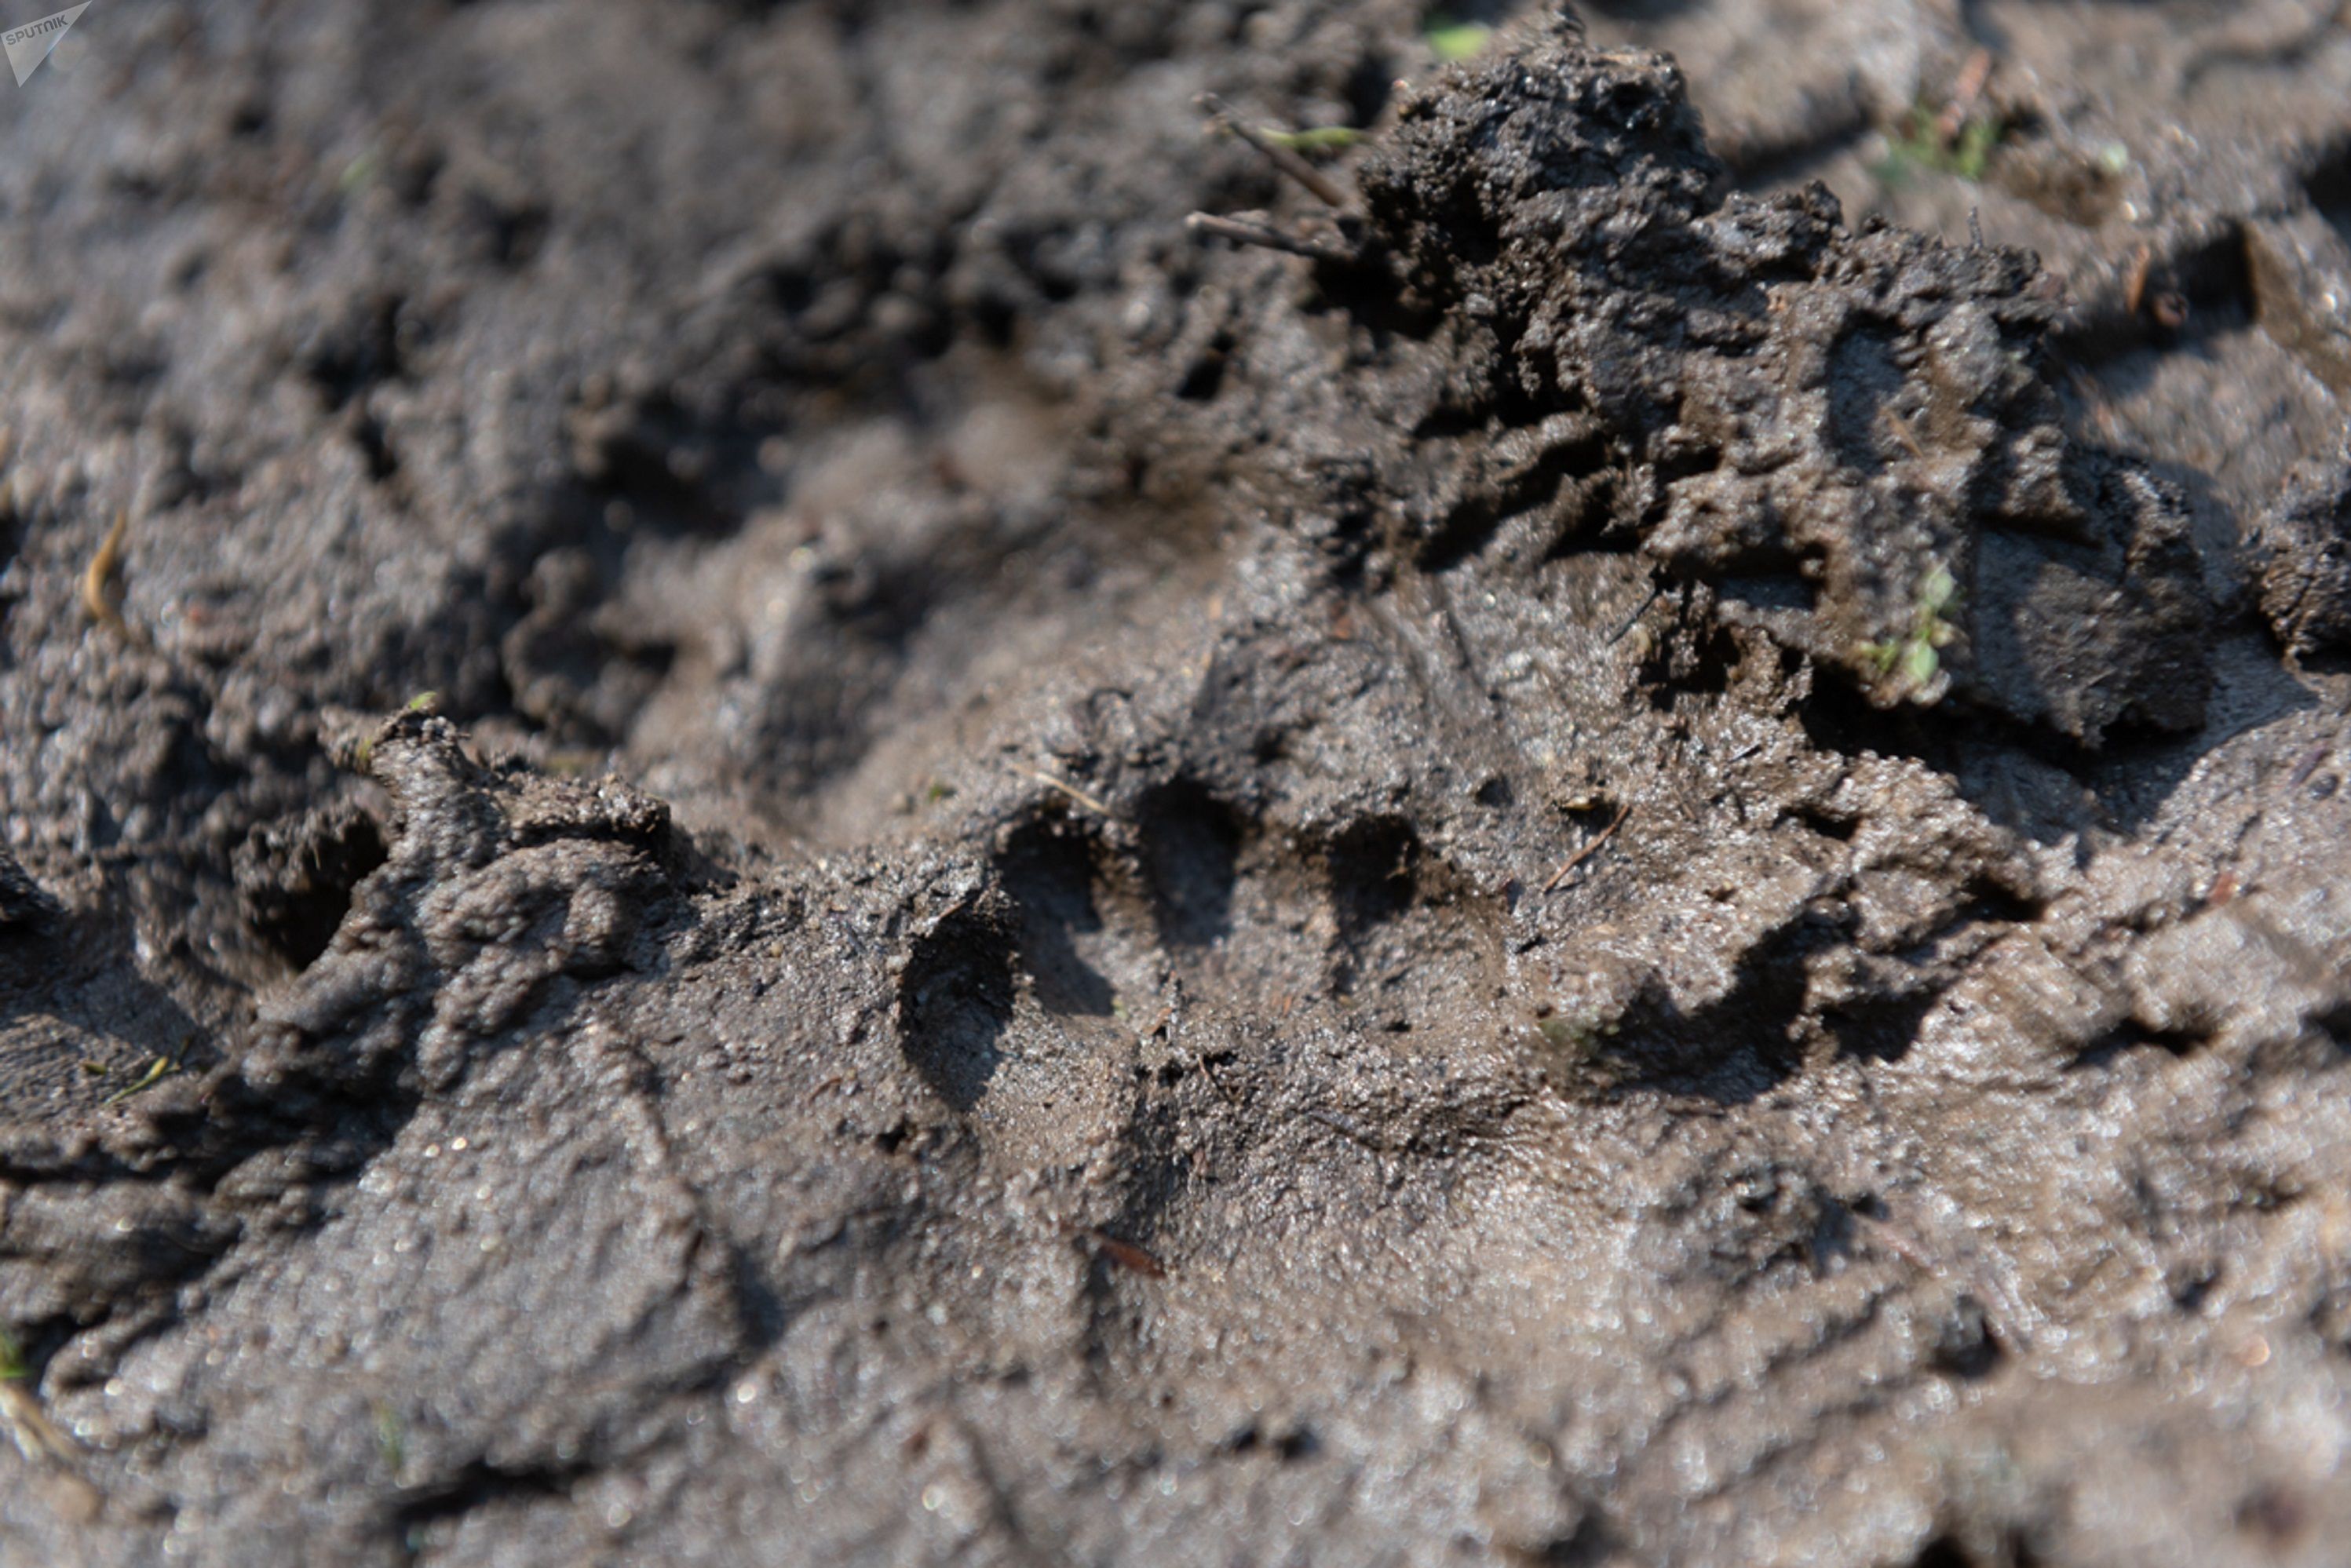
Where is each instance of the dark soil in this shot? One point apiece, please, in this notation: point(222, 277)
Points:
point(1645, 862)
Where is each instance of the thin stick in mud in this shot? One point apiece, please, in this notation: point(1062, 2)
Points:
point(1071, 791)
point(1242, 231)
point(1319, 185)
point(1126, 1254)
point(1588, 850)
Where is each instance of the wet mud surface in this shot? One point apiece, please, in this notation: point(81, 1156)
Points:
point(783, 833)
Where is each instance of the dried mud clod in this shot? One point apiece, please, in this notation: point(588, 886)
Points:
point(2307, 577)
point(501, 888)
point(1849, 436)
point(23, 906)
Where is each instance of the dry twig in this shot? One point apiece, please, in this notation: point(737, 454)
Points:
point(1588, 850)
point(1071, 791)
point(97, 581)
point(1286, 161)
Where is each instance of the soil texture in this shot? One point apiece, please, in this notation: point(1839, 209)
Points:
point(751, 818)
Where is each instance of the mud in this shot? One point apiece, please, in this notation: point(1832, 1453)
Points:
point(785, 834)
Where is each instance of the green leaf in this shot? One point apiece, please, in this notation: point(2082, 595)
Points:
point(1919, 662)
point(1455, 41)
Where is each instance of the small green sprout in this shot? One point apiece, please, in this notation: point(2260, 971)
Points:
point(1322, 139)
point(360, 173)
point(159, 1068)
point(1453, 41)
point(15, 1366)
point(1972, 153)
point(390, 1438)
point(1916, 656)
point(1920, 144)
point(426, 703)
point(1578, 1035)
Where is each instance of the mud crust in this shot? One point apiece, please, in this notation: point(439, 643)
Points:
point(1642, 865)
